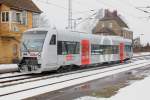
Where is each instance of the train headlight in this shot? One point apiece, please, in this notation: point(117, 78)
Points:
point(39, 55)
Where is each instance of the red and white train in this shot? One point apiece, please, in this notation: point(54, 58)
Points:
point(51, 49)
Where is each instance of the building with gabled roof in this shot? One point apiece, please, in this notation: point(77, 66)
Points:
point(27, 5)
point(112, 24)
point(16, 16)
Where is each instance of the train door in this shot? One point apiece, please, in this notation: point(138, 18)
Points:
point(121, 47)
point(85, 52)
point(52, 53)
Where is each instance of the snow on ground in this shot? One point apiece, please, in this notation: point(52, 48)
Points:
point(137, 91)
point(89, 98)
point(8, 68)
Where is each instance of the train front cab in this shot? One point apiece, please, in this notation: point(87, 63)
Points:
point(34, 42)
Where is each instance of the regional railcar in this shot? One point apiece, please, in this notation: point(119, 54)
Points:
point(51, 49)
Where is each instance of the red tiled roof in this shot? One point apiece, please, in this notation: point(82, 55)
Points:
point(21, 5)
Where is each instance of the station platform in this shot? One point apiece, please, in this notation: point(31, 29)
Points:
point(5, 68)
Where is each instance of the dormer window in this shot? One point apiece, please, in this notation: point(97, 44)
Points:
point(4, 16)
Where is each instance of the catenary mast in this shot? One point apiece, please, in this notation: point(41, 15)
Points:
point(70, 14)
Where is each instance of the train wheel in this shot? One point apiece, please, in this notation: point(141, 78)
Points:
point(60, 70)
point(64, 69)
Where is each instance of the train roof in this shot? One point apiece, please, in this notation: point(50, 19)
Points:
point(39, 29)
point(81, 34)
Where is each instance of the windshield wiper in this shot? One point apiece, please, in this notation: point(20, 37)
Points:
point(26, 47)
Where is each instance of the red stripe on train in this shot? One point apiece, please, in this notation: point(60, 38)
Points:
point(121, 52)
point(85, 52)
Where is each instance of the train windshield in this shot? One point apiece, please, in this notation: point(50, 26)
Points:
point(33, 41)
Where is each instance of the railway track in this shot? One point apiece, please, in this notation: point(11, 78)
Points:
point(9, 75)
point(28, 78)
point(20, 78)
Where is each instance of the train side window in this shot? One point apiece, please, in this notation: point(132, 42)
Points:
point(96, 49)
point(72, 47)
point(116, 49)
point(64, 48)
point(67, 47)
point(53, 40)
point(61, 48)
point(77, 48)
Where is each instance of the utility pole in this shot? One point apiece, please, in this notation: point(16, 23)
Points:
point(70, 14)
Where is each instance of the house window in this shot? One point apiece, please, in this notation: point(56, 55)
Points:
point(24, 17)
point(36, 18)
point(110, 25)
point(103, 25)
point(5, 16)
point(18, 17)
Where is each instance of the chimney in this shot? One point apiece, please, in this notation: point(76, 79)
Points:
point(107, 13)
point(115, 13)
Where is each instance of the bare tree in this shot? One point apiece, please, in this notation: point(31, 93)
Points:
point(44, 22)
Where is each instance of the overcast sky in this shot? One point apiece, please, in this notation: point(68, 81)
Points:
point(57, 14)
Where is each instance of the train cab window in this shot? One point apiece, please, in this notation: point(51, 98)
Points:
point(53, 40)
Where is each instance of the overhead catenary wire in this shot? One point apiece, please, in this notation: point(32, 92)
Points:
point(64, 8)
point(86, 18)
point(82, 12)
point(143, 10)
point(53, 4)
point(145, 7)
point(106, 4)
point(123, 11)
point(137, 8)
point(83, 5)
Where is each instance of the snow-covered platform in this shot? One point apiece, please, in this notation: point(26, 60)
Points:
point(4, 68)
point(137, 91)
point(141, 54)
